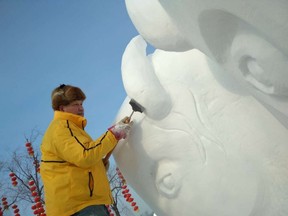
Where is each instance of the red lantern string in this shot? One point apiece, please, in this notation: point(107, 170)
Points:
point(5, 203)
point(126, 192)
point(29, 148)
point(38, 206)
point(110, 210)
point(13, 179)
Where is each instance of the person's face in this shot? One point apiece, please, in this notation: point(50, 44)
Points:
point(75, 107)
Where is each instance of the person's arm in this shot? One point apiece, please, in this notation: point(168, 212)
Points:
point(79, 149)
point(121, 131)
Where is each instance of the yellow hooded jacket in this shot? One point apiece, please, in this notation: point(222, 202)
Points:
point(72, 170)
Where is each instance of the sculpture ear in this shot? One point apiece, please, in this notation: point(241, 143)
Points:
point(141, 82)
point(168, 179)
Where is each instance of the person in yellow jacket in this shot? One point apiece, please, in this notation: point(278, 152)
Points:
point(72, 170)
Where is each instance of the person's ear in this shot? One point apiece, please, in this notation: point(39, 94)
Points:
point(61, 108)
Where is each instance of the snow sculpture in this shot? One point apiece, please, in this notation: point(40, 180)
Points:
point(214, 136)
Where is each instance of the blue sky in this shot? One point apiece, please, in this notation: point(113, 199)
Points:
point(44, 43)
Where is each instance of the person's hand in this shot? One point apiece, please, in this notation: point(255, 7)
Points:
point(121, 129)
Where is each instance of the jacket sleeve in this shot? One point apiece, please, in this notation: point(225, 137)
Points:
point(77, 147)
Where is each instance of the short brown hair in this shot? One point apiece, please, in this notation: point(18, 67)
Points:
point(65, 94)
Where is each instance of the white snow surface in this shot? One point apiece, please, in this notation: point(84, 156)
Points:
point(213, 139)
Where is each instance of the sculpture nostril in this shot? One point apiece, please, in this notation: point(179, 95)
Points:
point(253, 67)
point(259, 63)
point(167, 178)
point(254, 74)
point(168, 182)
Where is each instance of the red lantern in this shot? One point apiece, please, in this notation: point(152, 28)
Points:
point(136, 208)
point(34, 193)
point(29, 149)
point(127, 195)
point(28, 144)
point(37, 199)
point(133, 203)
point(33, 188)
point(41, 210)
point(38, 204)
point(31, 182)
point(125, 191)
point(129, 199)
point(11, 174)
point(14, 206)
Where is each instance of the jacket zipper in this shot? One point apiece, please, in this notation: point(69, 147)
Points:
point(91, 183)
